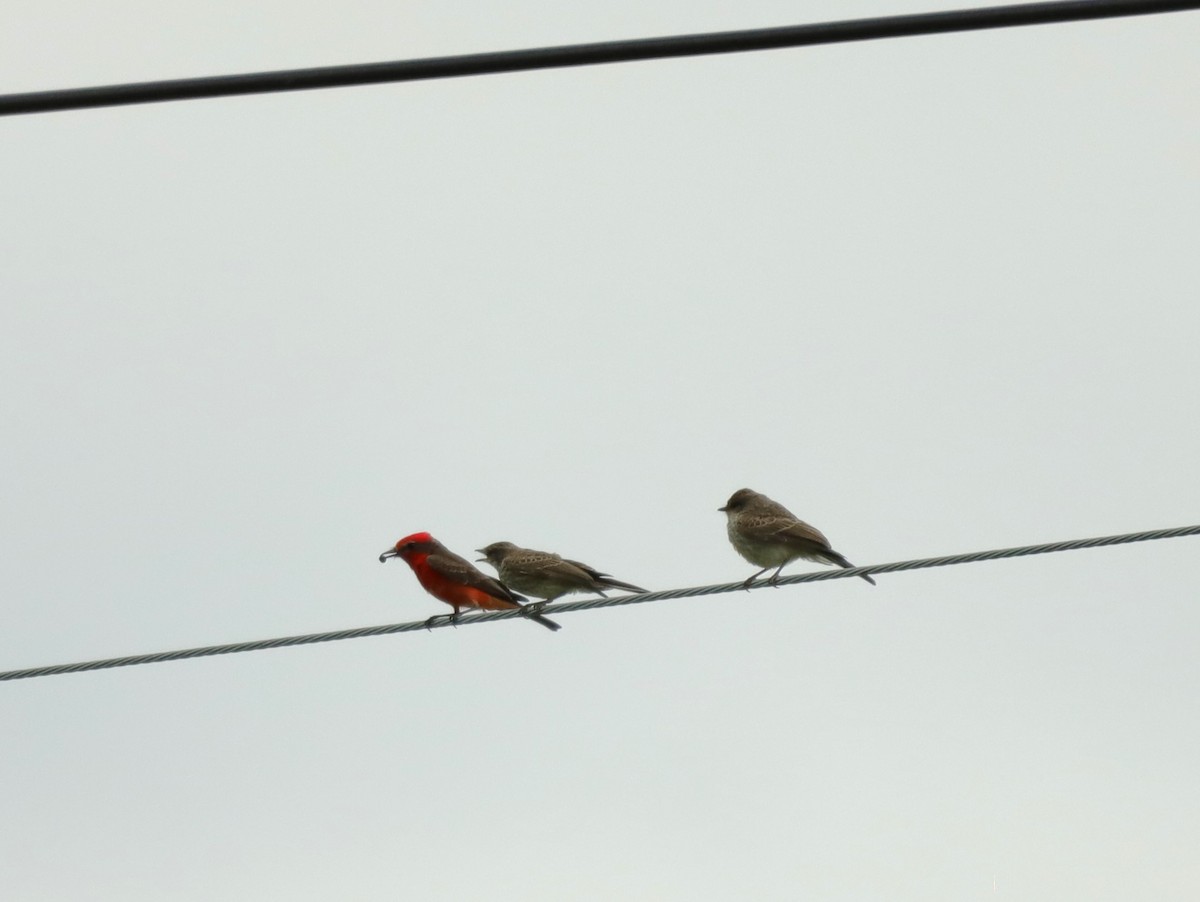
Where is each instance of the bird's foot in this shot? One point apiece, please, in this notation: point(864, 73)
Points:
point(534, 608)
point(451, 619)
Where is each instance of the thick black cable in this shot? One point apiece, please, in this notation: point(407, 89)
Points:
point(585, 54)
point(589, 603)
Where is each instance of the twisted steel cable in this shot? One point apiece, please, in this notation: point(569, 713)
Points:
point(590, 603)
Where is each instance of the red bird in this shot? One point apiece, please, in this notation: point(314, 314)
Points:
point(455, 580)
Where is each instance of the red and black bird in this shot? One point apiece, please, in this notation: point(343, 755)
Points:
point(455, 580)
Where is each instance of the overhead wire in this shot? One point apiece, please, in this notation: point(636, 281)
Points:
point(620, 51)
point(602, 602)
point(581, 55)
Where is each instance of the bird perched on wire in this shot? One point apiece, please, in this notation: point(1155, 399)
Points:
point(455, 580)
point(768, 535)
point(545, 575)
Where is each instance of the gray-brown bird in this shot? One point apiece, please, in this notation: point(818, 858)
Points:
point(542, 574)
point(768, 535)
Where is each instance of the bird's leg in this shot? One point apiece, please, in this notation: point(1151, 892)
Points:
point(774, 580)
point(746, 584)
point(536, 607)
point(451, 619)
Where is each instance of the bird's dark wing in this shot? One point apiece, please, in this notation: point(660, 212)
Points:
point(450, 565)
point(604, 579)
point(772, 527)
point(589, 571)
point(543, 565)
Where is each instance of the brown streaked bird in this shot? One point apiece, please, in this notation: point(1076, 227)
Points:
point(768, 535)
point(546, 575)
point(455, 580)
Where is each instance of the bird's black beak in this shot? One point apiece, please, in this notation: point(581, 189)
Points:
point(391, 552)
point(723, 509)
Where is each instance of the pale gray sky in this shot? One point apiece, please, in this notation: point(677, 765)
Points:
point(934, 294)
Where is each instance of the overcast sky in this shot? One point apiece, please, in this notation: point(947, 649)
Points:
point(933, 294)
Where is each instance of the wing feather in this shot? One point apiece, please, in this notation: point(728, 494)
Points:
point(461, 570)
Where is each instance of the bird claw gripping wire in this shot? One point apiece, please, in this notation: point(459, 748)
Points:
point(451, 619)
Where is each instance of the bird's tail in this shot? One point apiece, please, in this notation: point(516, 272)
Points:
point(609, 583)
point(544, 621)
point(835, 558)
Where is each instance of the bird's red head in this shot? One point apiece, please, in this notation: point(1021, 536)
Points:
point(409, 546)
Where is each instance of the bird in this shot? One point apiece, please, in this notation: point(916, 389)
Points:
point(546, 575)
point(768, 535)
point(455, 580)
